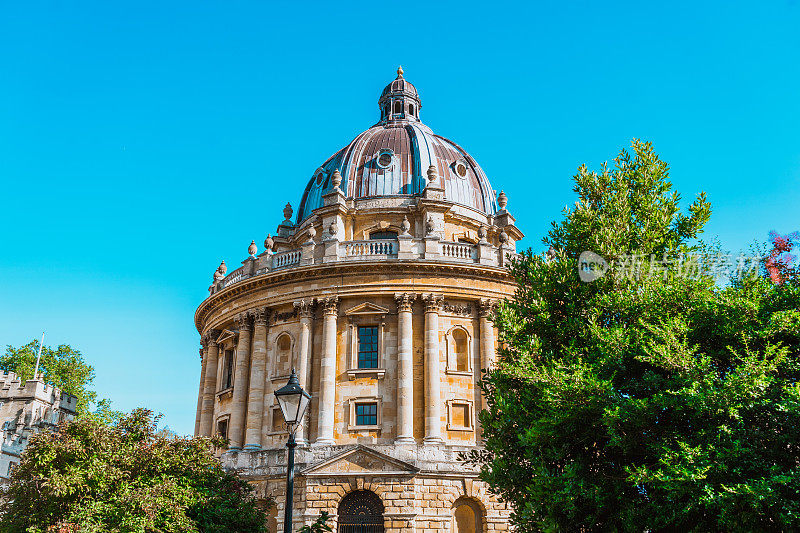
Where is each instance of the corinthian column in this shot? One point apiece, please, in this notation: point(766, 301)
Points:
point(305, 311)
point(327, 378)
point(203, 361)
point(433, 376)
point(405, 370)
point(210, 386)
point(258, 371)
point(239, 400)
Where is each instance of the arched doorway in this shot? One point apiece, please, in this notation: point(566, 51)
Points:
point(466, 517)
point(361, 511)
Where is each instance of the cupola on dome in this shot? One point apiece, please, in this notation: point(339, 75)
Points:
point(392, 157)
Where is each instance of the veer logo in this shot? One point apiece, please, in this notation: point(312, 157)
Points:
point(591, 266)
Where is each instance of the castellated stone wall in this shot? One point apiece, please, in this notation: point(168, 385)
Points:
point(26, 408)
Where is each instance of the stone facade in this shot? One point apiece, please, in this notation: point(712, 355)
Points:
point(26, 408)
point(381, 302)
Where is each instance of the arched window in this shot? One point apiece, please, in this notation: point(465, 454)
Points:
point(466, 517)
point(272, 518)
point(460, 351)
point(398, 107)
point(361, 511)
point(283, 355)
point(411, 109)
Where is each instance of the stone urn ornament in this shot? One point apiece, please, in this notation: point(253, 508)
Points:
point(220, 272)
point(502, 200)
point(432, 175)
point(252, 249)
point(503, 237)
point(288, 212)
point(333, 229)
point(430, 226)
point(336, 179)
point(405, 225)
point(269, 243)
point(482, 233)
point(312, 232)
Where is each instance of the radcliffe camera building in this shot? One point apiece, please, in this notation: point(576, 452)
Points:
point(378, 290)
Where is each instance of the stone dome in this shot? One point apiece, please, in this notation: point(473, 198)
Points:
point(392, 158)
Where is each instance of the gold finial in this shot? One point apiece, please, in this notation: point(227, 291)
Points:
point(400, 71)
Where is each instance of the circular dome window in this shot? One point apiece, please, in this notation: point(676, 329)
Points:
point(461, 169)
point(385, 159)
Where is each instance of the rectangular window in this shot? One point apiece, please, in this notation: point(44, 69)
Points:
point(368, 347)
point(461, 415)
point(222, 428)
point(278, 424)
point(367, 414)
point(227, 375)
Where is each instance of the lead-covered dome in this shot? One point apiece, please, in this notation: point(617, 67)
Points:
point(392, 158)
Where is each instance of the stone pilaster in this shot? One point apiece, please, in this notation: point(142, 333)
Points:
point(486, 308)
point(210, 386)
point(405, 369)
point(327, 385)
point(240, 378)
point(258, 373)
point(433, 395)
point(203, 361)
point(306, 313)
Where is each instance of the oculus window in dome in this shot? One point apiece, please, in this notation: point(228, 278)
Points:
point(392, 157)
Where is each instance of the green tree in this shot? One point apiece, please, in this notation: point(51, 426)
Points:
point(63, 367)
point(649, 399)
point(91, 478)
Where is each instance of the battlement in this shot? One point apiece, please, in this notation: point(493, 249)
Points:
point(12, 388)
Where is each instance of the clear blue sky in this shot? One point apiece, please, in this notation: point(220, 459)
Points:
point(142, 142)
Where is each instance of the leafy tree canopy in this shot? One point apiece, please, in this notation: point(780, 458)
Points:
point(63, 367)
point(661, 401)
point(92, 478)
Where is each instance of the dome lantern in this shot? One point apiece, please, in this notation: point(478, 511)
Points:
point(399, 101)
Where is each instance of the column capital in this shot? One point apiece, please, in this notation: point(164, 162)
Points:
point(243, 321)
point(404, 300)
point(209, 338)
point(330, 305)
point(260, 316)
point(202, 351)
point(304, 308)
point(486, 306)
point(433, 302)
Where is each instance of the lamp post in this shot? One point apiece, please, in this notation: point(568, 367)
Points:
point(293, 401)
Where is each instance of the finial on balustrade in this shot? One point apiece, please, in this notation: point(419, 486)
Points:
point(333, 229)
point(503, 237)
point(312, 232)
point(405, 225)
point(432, 174)
point(269, 244)
point(252, 249)
point(502, 200)
point(482, 233)
point(221, 270)
point(430, 226)
point(336, 179)
point(287, 212)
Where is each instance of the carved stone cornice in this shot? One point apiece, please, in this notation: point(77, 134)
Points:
point(260, 316)
point(330, 305)
point(278, 278)
point(404, 300)
point(304, 308)
point(243, 321)
point(486, 306)
point(457, 309)
point(433, 302)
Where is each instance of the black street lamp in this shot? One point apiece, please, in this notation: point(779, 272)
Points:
point(294, 402)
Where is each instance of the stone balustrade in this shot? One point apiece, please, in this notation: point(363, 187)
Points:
point(369, 250)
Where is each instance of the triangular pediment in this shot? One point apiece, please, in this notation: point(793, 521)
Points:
point(225, 335)
point(358, 461)
point(367, 308)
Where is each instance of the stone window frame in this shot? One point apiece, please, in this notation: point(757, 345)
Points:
point(452, 362)
point(352, 402)
point(273, 375)
point(223, 418)
point(275, 411)
point(365, 314)
point(471, 411)
point(225, 341)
